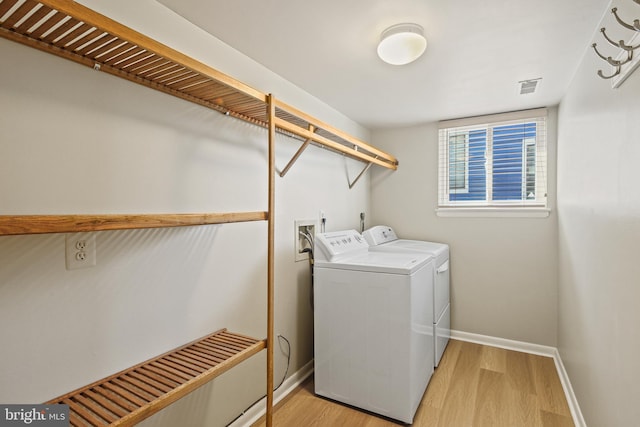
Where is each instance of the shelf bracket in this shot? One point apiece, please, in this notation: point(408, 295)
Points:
point(298, 153)
point(366, 168)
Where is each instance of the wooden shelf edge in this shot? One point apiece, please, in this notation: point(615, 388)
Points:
point(110, 26)
point(229, 96)
point(57, 51)
point(388, 158)
point(354, 153)
point(42, 224)
point(95, 403)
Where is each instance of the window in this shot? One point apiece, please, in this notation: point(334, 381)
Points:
point(493, 161)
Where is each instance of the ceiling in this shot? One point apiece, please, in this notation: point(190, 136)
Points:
point(477, 51)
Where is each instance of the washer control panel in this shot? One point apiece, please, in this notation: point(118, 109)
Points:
point(337, 243)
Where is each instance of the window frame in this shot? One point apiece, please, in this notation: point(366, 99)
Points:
point(488, 207)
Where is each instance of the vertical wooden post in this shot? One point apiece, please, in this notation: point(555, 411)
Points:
point(270, 258)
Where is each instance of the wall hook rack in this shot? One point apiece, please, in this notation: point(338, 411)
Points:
point(636, 22)
point(625, 62)
point(620, 45)
point(602, 76)
point(610, 60)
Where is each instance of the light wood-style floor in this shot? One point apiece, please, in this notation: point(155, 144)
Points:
point(474, 385)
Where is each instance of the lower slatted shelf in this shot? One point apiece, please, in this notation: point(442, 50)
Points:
point(134, 394)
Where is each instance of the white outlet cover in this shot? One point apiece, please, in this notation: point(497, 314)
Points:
point(72, 260)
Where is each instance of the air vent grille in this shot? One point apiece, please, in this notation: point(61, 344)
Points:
point(528, 86)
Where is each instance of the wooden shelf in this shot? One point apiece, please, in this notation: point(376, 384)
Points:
point(130, 396)
point(75, 32)
point(39, 224)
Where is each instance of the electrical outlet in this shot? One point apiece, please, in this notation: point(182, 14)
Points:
point(80, 250)
point(303, 227)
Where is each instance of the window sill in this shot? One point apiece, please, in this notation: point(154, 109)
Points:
point(491, 212)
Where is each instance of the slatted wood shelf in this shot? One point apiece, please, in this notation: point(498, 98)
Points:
point(75, 32)
point(40, 224)
point(130, 396)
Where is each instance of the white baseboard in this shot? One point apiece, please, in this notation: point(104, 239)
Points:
point(541, 350)
point(525, 347)
point(254, 413)
point(576, 413)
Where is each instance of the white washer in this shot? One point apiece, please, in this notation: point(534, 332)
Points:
point(383, 238)
point(373, 330)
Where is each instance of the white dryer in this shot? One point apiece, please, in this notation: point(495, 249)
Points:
point(383, 238)
point(373, 330)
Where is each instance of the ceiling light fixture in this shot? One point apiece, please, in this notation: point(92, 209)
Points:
point(401, 44)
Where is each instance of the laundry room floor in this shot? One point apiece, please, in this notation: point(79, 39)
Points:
point(475, 385)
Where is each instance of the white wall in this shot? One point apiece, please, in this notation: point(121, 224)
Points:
point(79, 141)
point(503, 270)
point(599, 236)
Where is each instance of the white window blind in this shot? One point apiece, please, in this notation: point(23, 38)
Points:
point(494, 161)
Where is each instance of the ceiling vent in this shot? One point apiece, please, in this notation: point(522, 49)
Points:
point(528, 86)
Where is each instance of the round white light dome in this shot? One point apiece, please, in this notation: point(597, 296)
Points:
point(402, 43)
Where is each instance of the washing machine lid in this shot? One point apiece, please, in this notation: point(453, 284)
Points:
point(379, 262)
point(416, 245)
point(383, 238)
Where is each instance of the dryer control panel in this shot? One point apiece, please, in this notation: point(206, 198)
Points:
point(337, 243)
point(379, 234)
